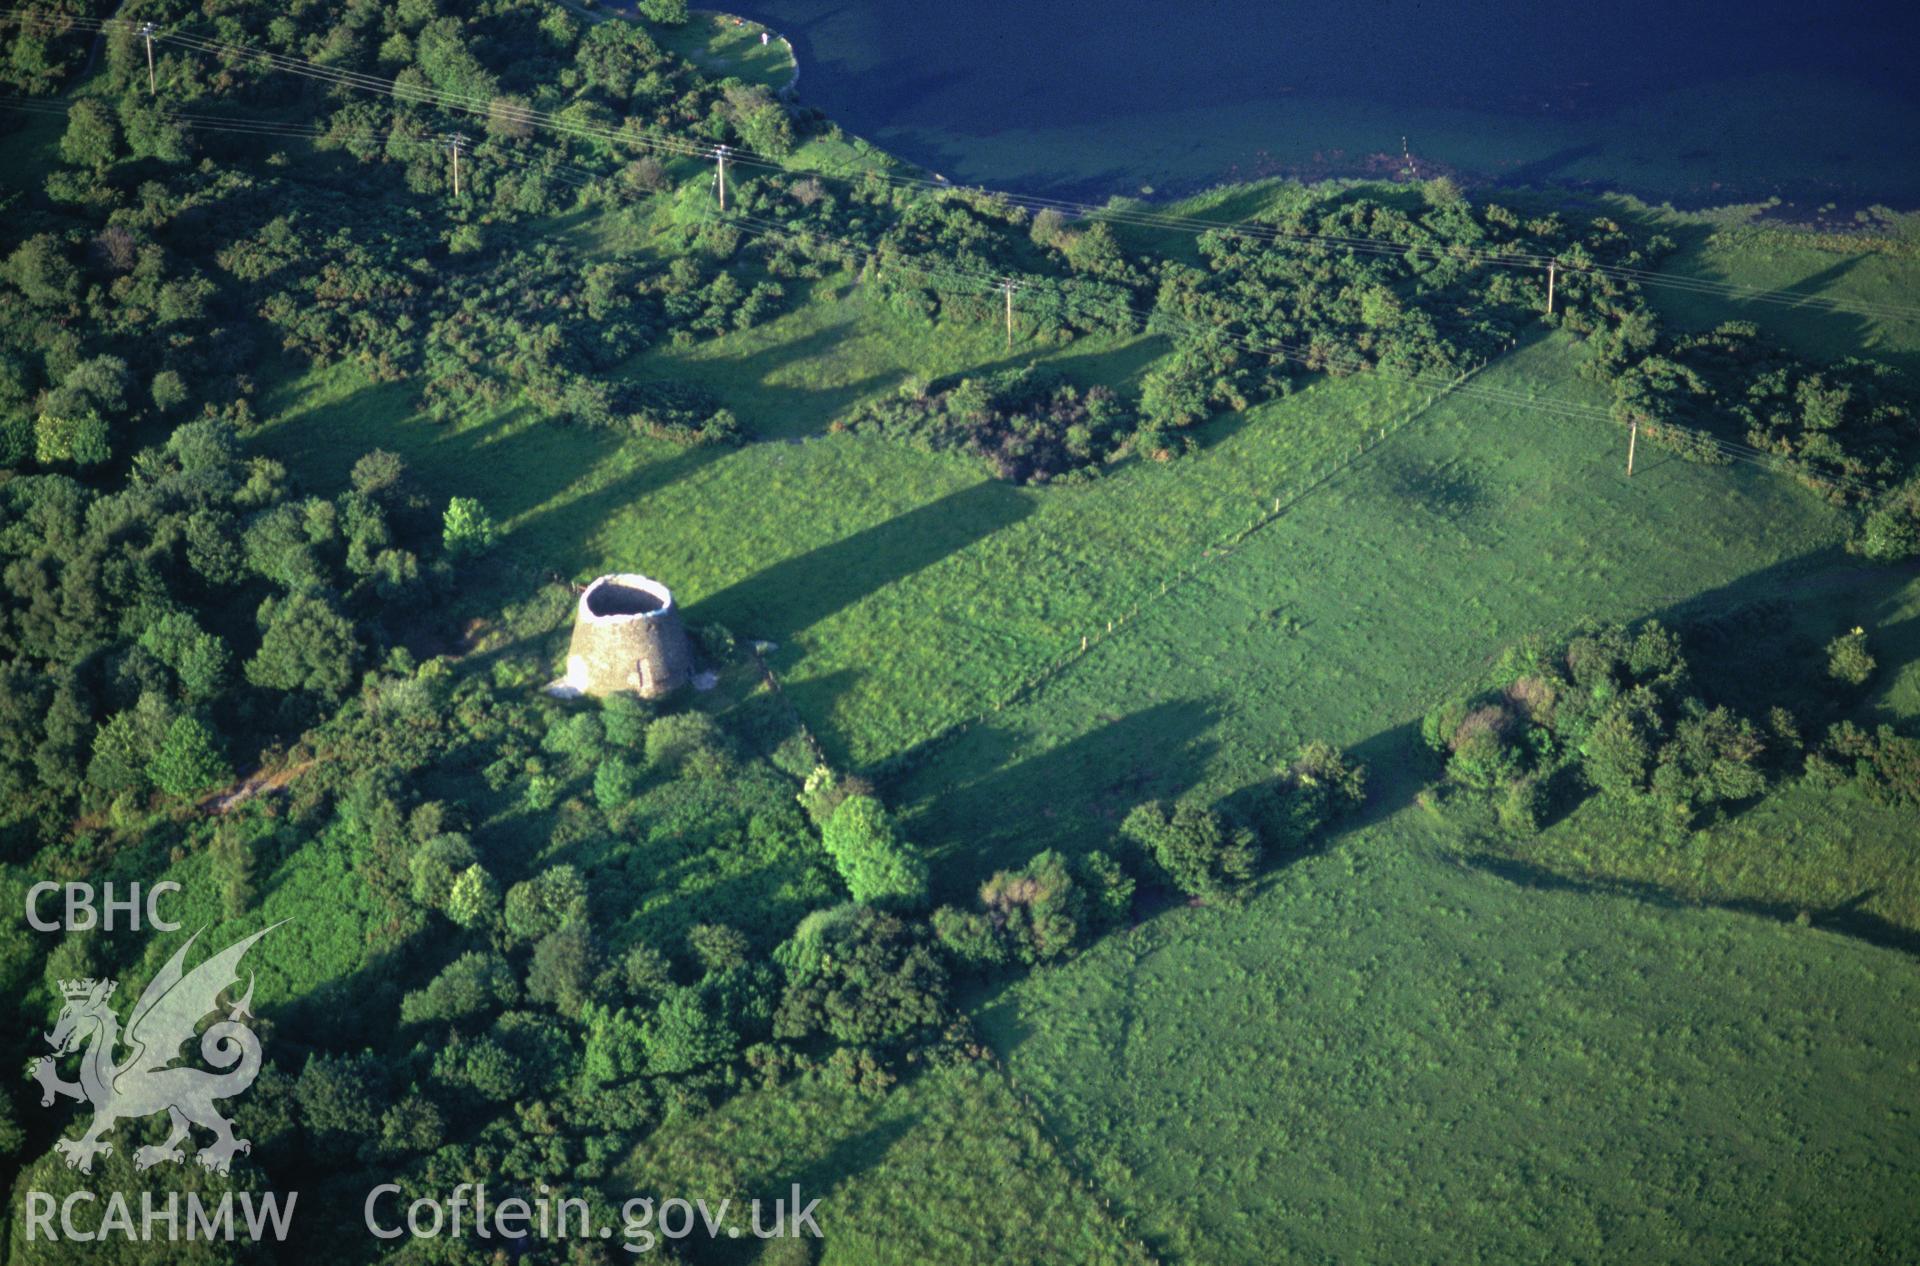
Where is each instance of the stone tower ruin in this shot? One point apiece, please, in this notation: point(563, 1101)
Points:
point(627, 636)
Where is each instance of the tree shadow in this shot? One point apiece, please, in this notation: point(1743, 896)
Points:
point(796, 593)
point(1071, 796)
point(1819, 332)
point(1847, 918)
point(575, 520)
point(779, 409)
point(1760, 640)
point(1454, 490)
point(1543, 169)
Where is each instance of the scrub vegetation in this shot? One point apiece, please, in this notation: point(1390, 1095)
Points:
point(1230, 768)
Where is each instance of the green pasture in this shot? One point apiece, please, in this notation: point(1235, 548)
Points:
point(1362, 604)
point(950, 1165)
point(727, 47)
point(907, 590)
point(1556, 1048)
point(1393, 1056)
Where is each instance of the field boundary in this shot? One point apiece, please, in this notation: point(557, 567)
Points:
point(1209, 556)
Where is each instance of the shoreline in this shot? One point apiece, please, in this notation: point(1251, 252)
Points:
point(1833, 215)
point(1813, 206)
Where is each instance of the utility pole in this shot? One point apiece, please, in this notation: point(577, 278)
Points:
point(146, 33)
point(720, 164)
point(1552, 264)
point(1633, 437)
point(456, 143)
point(1007, 285)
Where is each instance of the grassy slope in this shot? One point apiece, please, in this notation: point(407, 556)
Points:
point(726, 47)
point(1387, 1044)
point(910, 595)
point(1371, 598)
point(908, 591)
point(950, 1166)
point(1387, 1052)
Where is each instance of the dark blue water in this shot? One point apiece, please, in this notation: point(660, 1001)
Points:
point(1733, 98)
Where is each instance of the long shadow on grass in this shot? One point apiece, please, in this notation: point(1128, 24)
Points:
point(797, 593)
point(1826, 327)
point(802, 407)
point(1544, 169)
point(1071, 796)
point(1759, 641)
point(1846, 918)
point(570, 524)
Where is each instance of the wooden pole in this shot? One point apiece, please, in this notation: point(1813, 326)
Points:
point(1551, 266)
point(456, 169)
point(720, 163)
point(1009, 289)
point(1633, 437)
point(152, 88)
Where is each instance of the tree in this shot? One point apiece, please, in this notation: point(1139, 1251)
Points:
point(682, 1034)
point(718, 947)
point(665, 12)
point(971, 936)
point(879, 867)
point(645, 971)
point(189, 760)
point(169, 391)
point(414, 1126)
point(871, 978)
point(472, 984)
point(40, 268)
point(91, 139)
point(436, 864)
point(538, 907)
point(1322, 784)
point(1200, 850)
point(1618, 752)
point(482, 1065)
point(340, 1099)
point(124, 748)
point(1848, 659)
point(564, 965)
point(79, 437)
point(1713, 757)
point(623, 720)
point(613, 783)
point(380, 474)
point(473, 898)
point(646, 175)
point(198, 658)
point(1038, 908)
point(304, 645)
point(615, 1050)
point(467, 528)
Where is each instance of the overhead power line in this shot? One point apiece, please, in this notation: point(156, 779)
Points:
point(1124, 215)
point(977, 282)
point(958, 278)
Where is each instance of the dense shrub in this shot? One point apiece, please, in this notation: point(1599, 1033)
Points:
point(1199, 850)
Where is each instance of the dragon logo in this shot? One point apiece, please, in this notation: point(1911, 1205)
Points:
point(163, 1020)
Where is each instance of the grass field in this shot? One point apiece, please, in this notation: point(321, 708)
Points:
point(1387, 1052)
point(1346, 617)
point(949, 1166)
point(1402, 1037)
point(729, 47)
point(908, 591)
